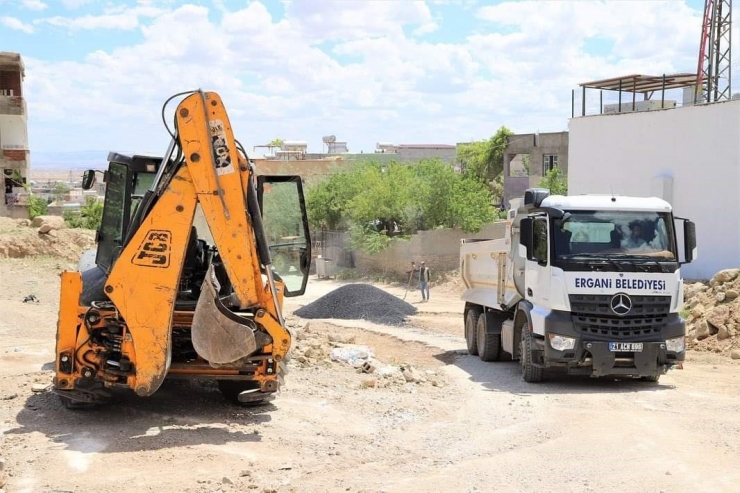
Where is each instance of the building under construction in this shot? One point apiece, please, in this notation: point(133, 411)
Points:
point(14, 159)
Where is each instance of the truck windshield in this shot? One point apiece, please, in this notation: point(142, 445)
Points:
point(615, 233)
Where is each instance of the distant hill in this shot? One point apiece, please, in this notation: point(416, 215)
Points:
point(65, 160)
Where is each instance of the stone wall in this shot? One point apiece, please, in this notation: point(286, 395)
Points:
point(440, 249)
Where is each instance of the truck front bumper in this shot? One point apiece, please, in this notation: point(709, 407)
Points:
point(592, 355)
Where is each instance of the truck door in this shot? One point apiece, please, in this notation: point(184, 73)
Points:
point(537, 276)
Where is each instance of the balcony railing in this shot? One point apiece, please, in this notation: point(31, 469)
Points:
point(12, 105)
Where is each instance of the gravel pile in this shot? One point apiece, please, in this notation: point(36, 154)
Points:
point(359, 302)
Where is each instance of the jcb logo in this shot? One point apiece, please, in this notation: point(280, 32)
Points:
point(154, 250)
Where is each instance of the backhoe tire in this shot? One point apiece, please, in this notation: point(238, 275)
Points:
point(489, 345)
point(471, 324)
point(231, 389)
point(530, 373)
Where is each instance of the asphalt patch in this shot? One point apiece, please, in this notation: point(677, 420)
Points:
point(359, 302)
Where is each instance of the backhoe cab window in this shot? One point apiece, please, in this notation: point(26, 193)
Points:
point(283, 218)
point(114, 215)
point(615, 233)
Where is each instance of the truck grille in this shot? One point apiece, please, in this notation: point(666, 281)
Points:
point(592, 316)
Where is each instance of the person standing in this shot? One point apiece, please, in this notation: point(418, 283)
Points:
point(424, 281)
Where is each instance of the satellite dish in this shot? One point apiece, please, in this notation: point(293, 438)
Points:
point(329, 139)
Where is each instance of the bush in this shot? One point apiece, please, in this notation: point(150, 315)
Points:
point(89, 217)
point(37, 206)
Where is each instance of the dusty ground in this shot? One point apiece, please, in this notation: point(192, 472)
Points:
point(470, 426)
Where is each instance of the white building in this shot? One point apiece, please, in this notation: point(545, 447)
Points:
point(689, 156)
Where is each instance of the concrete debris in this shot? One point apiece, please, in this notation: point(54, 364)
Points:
point(356, 356)
point(40, 387)
point(735, 354)
point(359, 302)
point(412, 376)
point(316, 350)
point(712, 312)
point(227, 480)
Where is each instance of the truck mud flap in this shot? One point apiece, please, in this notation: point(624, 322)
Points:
point(219, 335)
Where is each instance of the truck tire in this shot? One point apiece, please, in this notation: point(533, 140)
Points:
point(471, 324)
point(489, 345)
point(651, 378)
point(530, 373)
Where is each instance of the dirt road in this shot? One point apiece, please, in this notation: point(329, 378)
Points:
point(468, 426)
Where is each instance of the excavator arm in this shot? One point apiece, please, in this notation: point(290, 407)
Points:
point(238, 310)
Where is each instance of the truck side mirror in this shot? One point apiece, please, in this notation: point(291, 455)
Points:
point(88, 179)
point(525, 235)
point(689, 238)
point(539, 240)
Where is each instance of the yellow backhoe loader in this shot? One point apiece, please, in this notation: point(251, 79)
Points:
point(183, 284)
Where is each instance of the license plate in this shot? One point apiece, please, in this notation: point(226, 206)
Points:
point(625, 347)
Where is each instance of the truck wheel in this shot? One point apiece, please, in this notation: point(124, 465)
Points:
point(530, 373)
point(489, 345)
point(471, 324)
point(651, 378)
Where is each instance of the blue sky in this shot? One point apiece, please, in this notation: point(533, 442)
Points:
point(435, 71)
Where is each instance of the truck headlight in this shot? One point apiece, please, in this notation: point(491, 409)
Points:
point(561, 343)
point(676, 345)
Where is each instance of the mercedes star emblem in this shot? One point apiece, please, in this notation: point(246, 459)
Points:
point(621, 304)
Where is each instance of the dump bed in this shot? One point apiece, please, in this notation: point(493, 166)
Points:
point(487, 271)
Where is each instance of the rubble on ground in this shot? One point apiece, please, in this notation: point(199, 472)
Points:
point(359, 302)
point(712, 312)
point(48, 236)
point(316, 350)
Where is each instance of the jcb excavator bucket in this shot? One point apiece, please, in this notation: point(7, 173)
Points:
point(219, 335)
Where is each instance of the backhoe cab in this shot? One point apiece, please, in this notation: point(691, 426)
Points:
point(184, 284)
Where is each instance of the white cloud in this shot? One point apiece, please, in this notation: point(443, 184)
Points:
point(119, 18)
point(15, 24)
point(355, 69)
point(74, 4)
point(34, 4)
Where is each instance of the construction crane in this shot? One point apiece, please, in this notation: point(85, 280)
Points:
point(714, 69)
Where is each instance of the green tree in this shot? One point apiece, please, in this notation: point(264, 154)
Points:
point(327, 201)
point(276, 142)
point(556, 181)
point(371, 200)
point(89, 216)
point(484, 160)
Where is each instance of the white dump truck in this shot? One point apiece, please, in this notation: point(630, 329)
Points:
point(590, 283)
